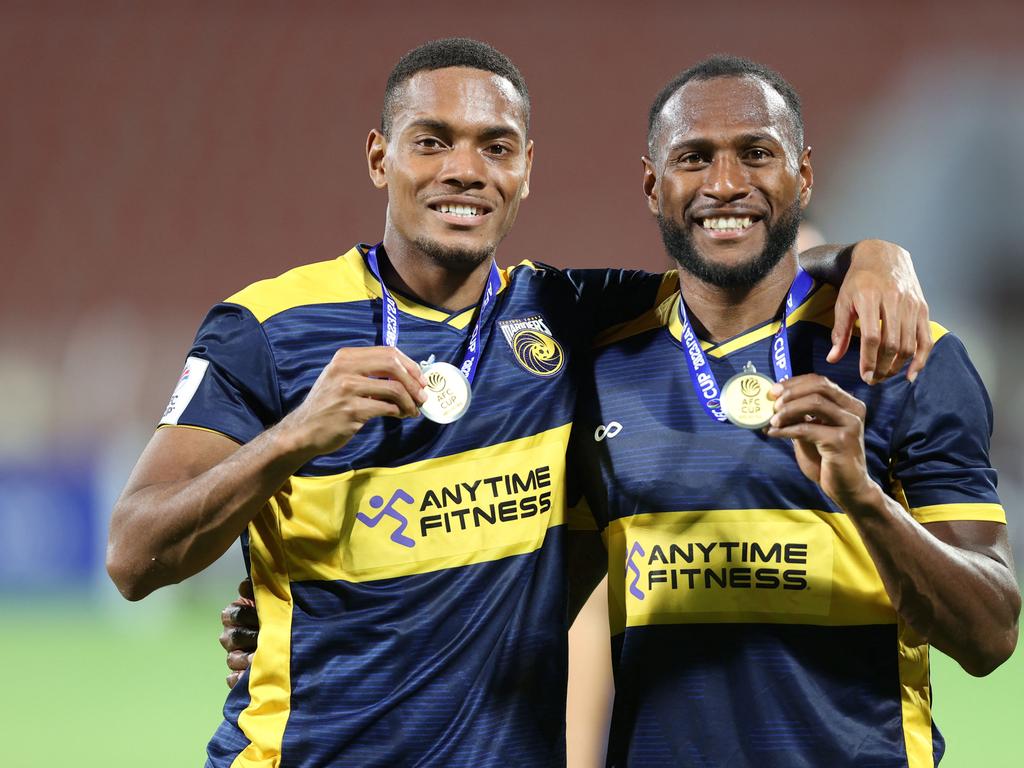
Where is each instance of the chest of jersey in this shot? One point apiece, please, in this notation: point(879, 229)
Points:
point(408, 496)
point(708, 522)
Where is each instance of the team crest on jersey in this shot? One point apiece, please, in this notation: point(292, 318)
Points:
point(533, 345)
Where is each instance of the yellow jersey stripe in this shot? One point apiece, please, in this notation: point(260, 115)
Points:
point(341, 280)
point(264, 720)
point(941, 513)
point(915, 698)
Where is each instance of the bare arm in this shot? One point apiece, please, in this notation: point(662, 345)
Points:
point(193, 492)
point(952, 582)
point(879, 288)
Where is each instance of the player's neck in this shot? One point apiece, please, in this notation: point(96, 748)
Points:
point(719, 313)
point(410, 271)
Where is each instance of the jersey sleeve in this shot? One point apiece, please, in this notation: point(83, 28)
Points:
point(229, 383)
point(609, 297)
point(941, 442)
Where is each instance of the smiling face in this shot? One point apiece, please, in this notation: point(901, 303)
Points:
point(456, 165)
point(727, 181)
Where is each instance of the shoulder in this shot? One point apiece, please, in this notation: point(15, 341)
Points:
point(338, 280)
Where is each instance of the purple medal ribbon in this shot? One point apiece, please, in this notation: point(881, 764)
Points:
point(473, 351)
point(701, 375)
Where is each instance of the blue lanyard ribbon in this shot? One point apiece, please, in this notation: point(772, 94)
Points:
point(474, 349)
point(701, 375)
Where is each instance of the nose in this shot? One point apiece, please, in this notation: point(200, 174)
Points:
point(464, 168)
point(726, 180)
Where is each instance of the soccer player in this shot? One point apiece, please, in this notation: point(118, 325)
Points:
point(408, 565)
point(784, 542)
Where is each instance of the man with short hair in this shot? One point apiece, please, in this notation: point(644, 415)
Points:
point(780, 565)
point(409, 571)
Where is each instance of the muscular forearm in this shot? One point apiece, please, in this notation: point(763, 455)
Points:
point(963, 602)
point(165, 532)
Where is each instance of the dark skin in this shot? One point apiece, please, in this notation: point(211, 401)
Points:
point(727, 146)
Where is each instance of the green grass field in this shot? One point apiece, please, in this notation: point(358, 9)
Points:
point(85, 691)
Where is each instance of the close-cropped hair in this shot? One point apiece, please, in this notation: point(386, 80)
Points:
point(444, 53)
point(723, 65)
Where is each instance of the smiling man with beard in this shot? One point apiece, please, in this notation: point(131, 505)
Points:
point(784, 542)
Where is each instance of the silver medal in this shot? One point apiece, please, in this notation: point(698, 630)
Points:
point(448, 392)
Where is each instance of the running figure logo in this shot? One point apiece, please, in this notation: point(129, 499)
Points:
point(634, 590)
point(398, 535)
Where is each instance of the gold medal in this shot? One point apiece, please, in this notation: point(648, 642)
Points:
point(448, 392)
point(745, 398)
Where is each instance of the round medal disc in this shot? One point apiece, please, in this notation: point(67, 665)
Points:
point(448, 392)
point(745, 399)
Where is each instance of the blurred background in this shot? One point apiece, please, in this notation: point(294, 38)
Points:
point(157, 156)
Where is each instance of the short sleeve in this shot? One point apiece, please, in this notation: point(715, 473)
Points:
point(609, 297)
point(941, 442)
point(229, 383)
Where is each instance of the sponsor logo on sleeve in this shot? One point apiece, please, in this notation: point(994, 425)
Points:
point(185, 390)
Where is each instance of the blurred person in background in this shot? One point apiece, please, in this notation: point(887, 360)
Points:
point(409, 572)
point(781, 564)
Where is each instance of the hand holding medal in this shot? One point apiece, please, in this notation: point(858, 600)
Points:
point(744, 400)
point(449, 389)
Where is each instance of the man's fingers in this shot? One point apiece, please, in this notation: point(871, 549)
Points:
point(870, 338)
point(924, 345)
point(812, 409)
point(842, 330)
point(812, 384)
point(889, 346)
point(239, 660)
point(240, 614)
point(908, 337)
point(238, 639)
point(819, 434)
point(245, 589)
point(385, 392)
point(399, 368)
point(232, 679)
point(383, 363)
point(412, 367)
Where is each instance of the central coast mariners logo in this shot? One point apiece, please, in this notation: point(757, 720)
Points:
point(534, 347)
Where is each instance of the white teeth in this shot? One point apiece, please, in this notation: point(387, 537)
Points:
point(727, 222)
point(460, 210)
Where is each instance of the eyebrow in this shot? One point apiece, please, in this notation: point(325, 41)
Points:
point(487, 134)
point(431, 124)
point(743, 139)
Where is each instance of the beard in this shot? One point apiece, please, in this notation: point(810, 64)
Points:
point(455, 259)
point(781, 235)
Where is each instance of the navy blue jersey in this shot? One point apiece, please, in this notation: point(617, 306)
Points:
point(750, 626)
point(411, 586)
